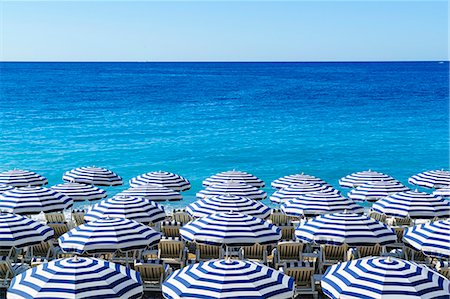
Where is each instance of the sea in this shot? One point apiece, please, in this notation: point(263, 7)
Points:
point(197, 119)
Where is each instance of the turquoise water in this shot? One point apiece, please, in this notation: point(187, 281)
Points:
point(196, 119)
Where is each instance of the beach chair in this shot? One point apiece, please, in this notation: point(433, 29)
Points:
point(36, 261)
point(172, 251)
point(303, 275)
point(8, 270)
point(287, 231)
point(205, 252)
point(399, 221)
point(11, 253)
point(364, 251)
point(59, 228)
point(256, 253)
point(277, 217)
point(153, 273)
point(417, 256)
point(78, 217)
point(333, 254)
point(55, 217)
point(171, 228)
point(442, 267)
point(377, 216)
point(181, 216)
point(43, 250)
point(287, 251)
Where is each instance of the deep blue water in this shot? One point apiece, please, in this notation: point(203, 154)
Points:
point(196, 119)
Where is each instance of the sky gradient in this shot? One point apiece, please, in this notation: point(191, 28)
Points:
point(220, 31)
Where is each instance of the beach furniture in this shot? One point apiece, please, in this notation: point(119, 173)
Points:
point(205, 252)
point(36, 261)
point(333, 254)
point(153, 273)
point(181, 216)
point(44, 250)
point(287, 251)
point(257, 253)
point(287, 231)
point(22, 178)
point(55, 217)
point(171, 228)
point(78, 217)
point(172, 251)
point(92, 175)
point(8, 270)
point(377, 216)
point(277, 217)
point(59, 228)
point(303, 275)
point(364, 251)
point(443, 268)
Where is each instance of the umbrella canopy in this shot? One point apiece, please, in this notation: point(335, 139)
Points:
point(431, 179)
point(152, 192)
point(344, 228)
point(80, 192)
point(235, 176)
point(233, 229)
point(19, 231)
point(233, 188)
point(163, 179)
point(359, 178)
point(443, 192)
point(4, 188)
point(318, 203)
point(228, 279)
point(93, 176)
point(226, 203)
point(77, 278)
point(383, 277)
point(135, 208)
point(288, 180)
point(295, 190)
point(22, 178)
point(33, 200)
point(412, 204)
point(108, 235)
point(373, 191)
point(432, 238)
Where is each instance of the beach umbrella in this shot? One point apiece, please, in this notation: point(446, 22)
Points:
point(4, 188)
point(33, 200)
point(431, 179)
point(288, 180)
point(80, 192)
point(235, 176)
point(232, 229)
point(152, 192)
point(432, 238)
point(318, 203)
point(295, 190)
point(77, 278)
point(383, 277)
point(228, 279)
point(226, 203)
point(93, 176)
point(443, 192)
point(233, 188)
point(22, 178)
point(345, 228)
point(373, 191)
point(135, 208)
point(108, 235)
point(163, 179)
point(412, 204)
point(360, 178)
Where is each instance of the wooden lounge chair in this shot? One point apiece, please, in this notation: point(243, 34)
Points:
point(365, 251)
point(153, 273)
point(43, 250)
point(377, 216)
point(402, 221)
point(55, 217)
point(303, 275)
point(257, 253)
point(59, 228)
point(277, 217)
point(442, 267)
point(171, 228)
point(172, 251)
point(287, 231)
point(204, 252)
point(181, 216)
point(8, 270)
point(78, 217)
point(287, 251)
point(333, 254)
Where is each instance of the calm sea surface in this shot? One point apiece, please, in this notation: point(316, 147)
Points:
point(196, 119)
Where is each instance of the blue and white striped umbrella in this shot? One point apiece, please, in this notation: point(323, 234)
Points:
point(93, 176)
point(228, 279)
point(135, 208)
point(22, 178)
point(360, 178)
point(288, 180)
point(152, 192)
point(344, 228)
point(33, 200)
point(19, 231)
point(233, 188)
point(383, 277)
point(80, 192)
point(431, 179)
point(295, 190)
point(77, 278)
point(412, 204)
point(4, 188)
point(166, 179)
point(226, 203)
point(235, 176)
point(432, 238)
point(108, 235)
point(443, 192)
point(318, 203)
point(373, 191)
point(233, 229)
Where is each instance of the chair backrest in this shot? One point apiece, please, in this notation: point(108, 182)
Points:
point(301, 272)
point(377, 216)
point(277, 217)
point(334, 252)
point(208, 252)
point(290, 250)
point(443, 268)
point(399, 232)
point(150, 271)
point(256, 251)
point(42, 249)
point(364, 251)
point(171, 228)
point(402, 221)
point(55, 217)
point(59, 228)
point(78, 216)
point(170, 248)
point(6, 271)
point(181, 216)
point(287, 231)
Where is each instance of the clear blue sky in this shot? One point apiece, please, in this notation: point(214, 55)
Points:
point(224, 31)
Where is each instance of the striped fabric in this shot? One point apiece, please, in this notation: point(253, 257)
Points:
point(431, 179)
point(135, 208)
point(22, 178)
point(108, 235)
point(233, 229)
point(226, 203)
point(295, 190)
point(166, 179)
point(318, 203)
point(288, 180)
point(19, 231)
point(33, 200)
point(235, 176)
point(343, 228)
point(383, 277)
point(4, 188)
point(413, 204)
point(432, 238)
point(359, 178)
point(80, 192)
point(93, 176)
point(443, 192)
point(228, 279)
point(373, 191)
point(77, 278)
point(152, 192)
point(233, 188)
